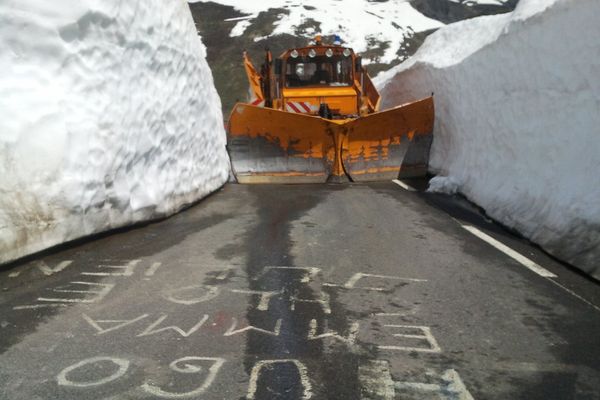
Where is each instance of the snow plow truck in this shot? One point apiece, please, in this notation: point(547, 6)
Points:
point(313, 117)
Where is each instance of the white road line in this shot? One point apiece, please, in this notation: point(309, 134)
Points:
point(575, 295)
point(526, 262)
point(404, 185)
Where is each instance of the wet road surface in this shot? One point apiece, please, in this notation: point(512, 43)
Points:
point(297, 292)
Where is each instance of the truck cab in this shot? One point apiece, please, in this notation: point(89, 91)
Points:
point(325, 80)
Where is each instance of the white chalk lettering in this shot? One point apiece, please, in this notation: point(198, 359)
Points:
point(350, 339)
point(376, 380)
point(151, 330)
point(189, 295)
point(309, 273)
point(36, 306)
point(354, 279)
point(425, 335)
point(185, 366)
point(125, 270)
point(46, 270)
point(105, 288)
point(265, 297)
point(258, 367)
point(113, 324)
point(152, 269)
point(451, 388)
point(323, 302)
point(234, 322)
point(63, 379)
point(221, 276)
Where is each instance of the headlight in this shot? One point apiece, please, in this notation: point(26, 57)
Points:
point(347, 52)
point(329, 53)
point(294, 54)
point(312, 53)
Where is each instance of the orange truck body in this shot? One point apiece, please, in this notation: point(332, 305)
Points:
point(314, 117)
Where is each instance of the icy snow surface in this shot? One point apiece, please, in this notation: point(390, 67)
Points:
point(108, 116)
point(517, 119)
point(356, 21)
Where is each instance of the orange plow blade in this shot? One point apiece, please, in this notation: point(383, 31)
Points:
point(390, 144)
point(273, 146)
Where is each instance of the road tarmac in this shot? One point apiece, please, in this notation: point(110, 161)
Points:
point(354, 291)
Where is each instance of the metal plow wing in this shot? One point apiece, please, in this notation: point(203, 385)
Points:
point(272, 146)
point(389, 144)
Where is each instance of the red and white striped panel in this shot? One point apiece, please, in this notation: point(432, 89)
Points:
point(300, 107)
point(258, 103)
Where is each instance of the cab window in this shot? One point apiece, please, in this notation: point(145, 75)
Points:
point(318, 71)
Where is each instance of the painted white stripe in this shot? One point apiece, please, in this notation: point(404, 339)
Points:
point(575, 295)
point(526, 262)
point(305, 107)
point(404, 185)
point(299, 107)
point(551, 275)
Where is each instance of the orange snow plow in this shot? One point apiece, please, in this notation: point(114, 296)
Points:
point(315, 117)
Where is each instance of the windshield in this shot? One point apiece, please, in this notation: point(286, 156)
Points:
point(320, 70)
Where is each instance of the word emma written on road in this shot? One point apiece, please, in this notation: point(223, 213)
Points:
point(394, 337)
point(93, 292)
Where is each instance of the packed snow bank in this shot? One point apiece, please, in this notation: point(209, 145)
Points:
point(108, 116)
point(517, 124)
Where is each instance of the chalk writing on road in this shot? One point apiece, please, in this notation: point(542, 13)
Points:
point(64, 380)
point(186, 365)
point(407, 338)
point(83, 291)
point(80, 289)
point(374, 377)
point(274, 290)
point(260, 366)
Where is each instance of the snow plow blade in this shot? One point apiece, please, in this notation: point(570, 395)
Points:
point(272, 146)
point(391, 144)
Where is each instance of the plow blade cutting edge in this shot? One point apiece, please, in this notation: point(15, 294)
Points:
point(273, 146)
point(389, 144)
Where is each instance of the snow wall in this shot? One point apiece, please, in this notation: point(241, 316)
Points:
point(518, 119)
point(108, 116)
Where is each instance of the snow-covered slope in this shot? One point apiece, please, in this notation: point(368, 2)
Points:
point(108, 116)
point(359, 22)
point(517, 125)
point(385, 32)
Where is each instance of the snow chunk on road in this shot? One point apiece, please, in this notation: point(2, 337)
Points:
point(443, 184)
point(517, 124)
point(108, 116)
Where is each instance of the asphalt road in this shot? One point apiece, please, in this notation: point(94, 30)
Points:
point(297, 292)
